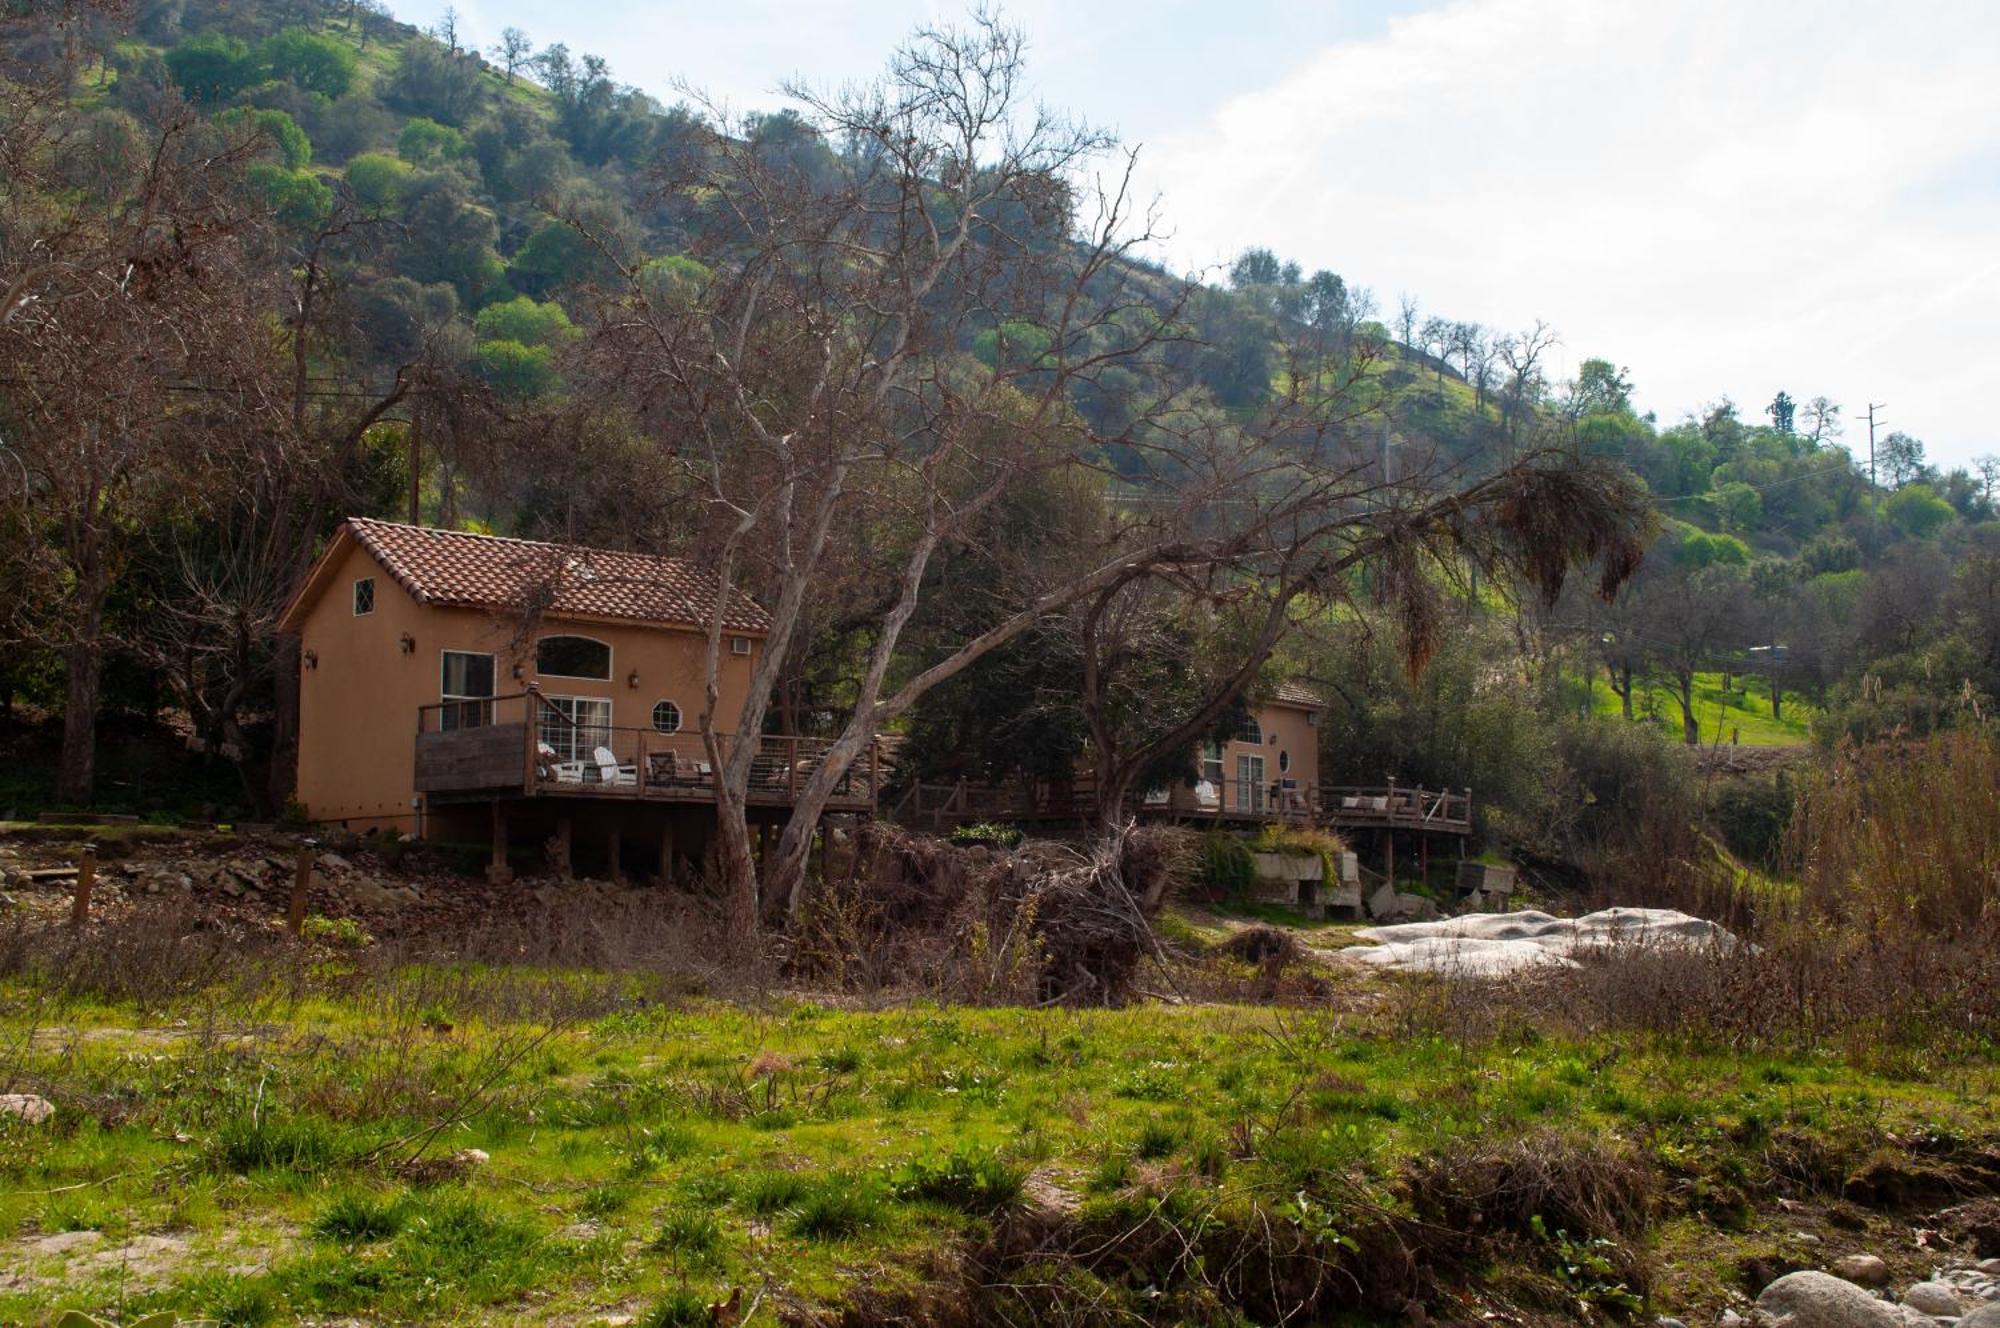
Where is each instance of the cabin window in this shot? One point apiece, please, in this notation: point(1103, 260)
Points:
point(364, 596)
point(666, 717)
point(573, 657)
point(1211, 764)
point(465, 686)
point(739, 645)
point(1249, 783)
point(574, 727)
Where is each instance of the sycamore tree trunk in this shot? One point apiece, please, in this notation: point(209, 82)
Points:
point(1684, 694)
point(281, 783)
point(76, 771)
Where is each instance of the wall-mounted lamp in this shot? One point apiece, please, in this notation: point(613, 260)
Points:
point(632, 679)
point(409, 644)
point(517, 668)
point(312, 659)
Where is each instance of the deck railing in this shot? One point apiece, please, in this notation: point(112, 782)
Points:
point(527, 741)
point(1226, 798)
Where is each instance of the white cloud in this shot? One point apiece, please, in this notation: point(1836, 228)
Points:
point(1728, 197)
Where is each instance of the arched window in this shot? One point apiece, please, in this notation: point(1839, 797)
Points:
point(1251, 731)
point(666, 717)
point(573, 657)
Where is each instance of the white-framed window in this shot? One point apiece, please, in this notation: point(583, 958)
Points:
point(1211, 763)
point(1284, 763)
point(666, 717)
point(1251, 731)
point(465, 686)
point(739, 645)
point(364, 596)
point(574, 727)
point(573, 657)
point(1249, 783)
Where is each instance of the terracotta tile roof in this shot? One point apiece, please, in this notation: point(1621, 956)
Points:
point(454, 568)
point(1295, 694)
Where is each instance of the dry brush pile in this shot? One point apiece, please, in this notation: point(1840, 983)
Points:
point(1050, 923)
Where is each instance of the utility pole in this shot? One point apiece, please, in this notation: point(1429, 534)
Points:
point(1873, 406)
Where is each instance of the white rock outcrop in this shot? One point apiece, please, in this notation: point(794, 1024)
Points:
point(1496, 944)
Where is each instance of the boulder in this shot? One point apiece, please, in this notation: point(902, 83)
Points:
point(1937, 1299)
point(30, 1107)
point(1863, 1270)
point(1986, 1316)
point(1821, 1300)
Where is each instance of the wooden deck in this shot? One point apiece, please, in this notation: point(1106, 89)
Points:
point(522, 746)
point(1224, 802)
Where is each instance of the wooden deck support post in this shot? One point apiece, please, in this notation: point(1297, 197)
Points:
point(498, 871)
point(763, 843)
point(666, 852)
point(1424, 856)
point(295, 913)
point(1389, 854)
point(563, 829)
point(86, 873)
point(612, 849)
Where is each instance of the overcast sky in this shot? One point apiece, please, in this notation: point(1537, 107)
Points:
point(1728, 196)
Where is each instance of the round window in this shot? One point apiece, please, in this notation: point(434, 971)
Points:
point(1284, 761)
point(667, 717)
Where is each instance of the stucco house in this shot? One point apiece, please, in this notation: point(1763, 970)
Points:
point(455, 685)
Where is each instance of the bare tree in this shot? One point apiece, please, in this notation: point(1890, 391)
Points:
point(1822, 420)
point(1408, 315)
point(129, 312)
point(1987, 467)
point(514, 50)
point(1690, 621)
point(1526, 382)
point(1528, 527)
point(811, 367)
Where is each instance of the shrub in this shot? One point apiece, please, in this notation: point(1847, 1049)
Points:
point(276, 1143)
point(834, 1209)
point(357, 1218)
point(1224, 868)
point(767, 1193)
point(1753, 815)
point(987, 833)
point(679, 1308)
point(343, 932)
point(316, 63)
point(690, 1233)
point(976, 1183)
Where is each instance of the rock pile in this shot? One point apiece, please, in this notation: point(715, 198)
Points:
point(1498, 944)
point(1955, 1296)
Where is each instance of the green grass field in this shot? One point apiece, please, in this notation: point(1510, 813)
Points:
point(288, 1155)
point(1744, 711)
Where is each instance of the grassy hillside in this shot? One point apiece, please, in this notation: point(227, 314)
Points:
point(1741, 713)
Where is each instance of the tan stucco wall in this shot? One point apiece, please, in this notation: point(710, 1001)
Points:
point(358, 707)
point(1295, 734)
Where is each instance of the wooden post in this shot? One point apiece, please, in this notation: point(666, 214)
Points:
point(1389, 854)
point(666, 852)
point(613, 848)
point(1424, 855)
point(295, 913)
point(86, 873)
point(763, 843)
point(499, 871)
point(563, 828)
